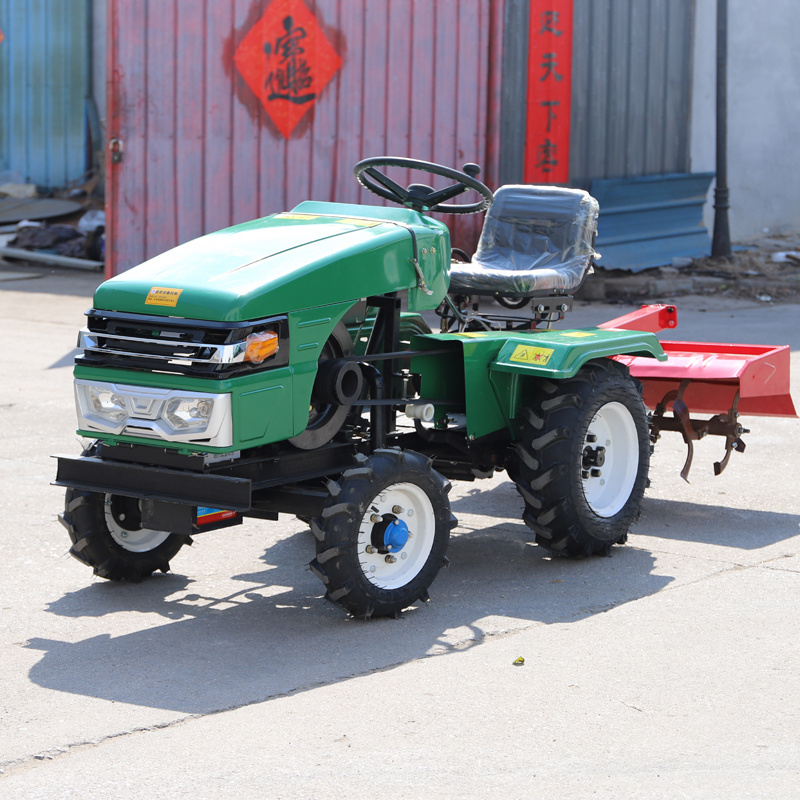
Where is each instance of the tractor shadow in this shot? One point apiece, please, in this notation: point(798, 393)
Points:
point(197, 649)
point(723, 526)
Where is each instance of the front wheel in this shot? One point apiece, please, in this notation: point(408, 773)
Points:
point(582, 460)
point(383, 534)
point(107, 535)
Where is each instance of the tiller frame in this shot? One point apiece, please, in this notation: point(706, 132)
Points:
point(724, 380)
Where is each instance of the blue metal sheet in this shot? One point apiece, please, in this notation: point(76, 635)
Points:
point(647, 222)
point(43, 83)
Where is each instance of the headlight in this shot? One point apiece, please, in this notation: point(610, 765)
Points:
point(106, 403)
point(171, 415)
point(189, 413)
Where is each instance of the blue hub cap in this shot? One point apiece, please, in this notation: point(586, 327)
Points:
point(395, 536)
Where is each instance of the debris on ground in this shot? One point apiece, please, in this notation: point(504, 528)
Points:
point(767, 270)
point(19, 191)
point(63, 240)
point(78, 242)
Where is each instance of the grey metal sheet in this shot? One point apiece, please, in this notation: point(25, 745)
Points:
point(15, 210)
point(631, 88)
point(649, 221)
point(514, 91)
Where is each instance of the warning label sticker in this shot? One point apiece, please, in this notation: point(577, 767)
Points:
point(163, 296)
point(525, 354)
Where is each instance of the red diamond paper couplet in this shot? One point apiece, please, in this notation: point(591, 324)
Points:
point(286, 61)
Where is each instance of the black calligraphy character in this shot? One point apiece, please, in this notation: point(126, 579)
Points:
point(551, 114)
point(546, 153)
point(549, 66)
point(550, 23)
point(293, 76)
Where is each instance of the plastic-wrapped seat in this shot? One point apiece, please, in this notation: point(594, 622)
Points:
point(536, 240)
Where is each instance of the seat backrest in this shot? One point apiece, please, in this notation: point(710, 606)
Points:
point(533, 227)
point(536, 240)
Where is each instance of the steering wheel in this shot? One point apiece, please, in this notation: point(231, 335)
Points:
point(418, 196)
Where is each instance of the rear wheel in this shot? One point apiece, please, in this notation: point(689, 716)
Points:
point(107, 535)
point(582, 460)
point(382, 536)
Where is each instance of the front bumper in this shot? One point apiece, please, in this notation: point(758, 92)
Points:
point(91, 474)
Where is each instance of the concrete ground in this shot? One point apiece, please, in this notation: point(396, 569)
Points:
point(667, 670)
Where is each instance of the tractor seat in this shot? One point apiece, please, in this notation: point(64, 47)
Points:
point(536, 240)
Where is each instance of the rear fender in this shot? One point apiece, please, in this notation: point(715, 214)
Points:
point(558, 355)
point(512, 362)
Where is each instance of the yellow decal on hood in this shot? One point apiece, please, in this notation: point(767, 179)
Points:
point(163, 296)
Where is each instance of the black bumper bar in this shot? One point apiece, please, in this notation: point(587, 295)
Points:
point(154, 483)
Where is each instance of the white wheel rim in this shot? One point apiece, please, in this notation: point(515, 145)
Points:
point(416, 511)
point(137, 540)
point(608, 487)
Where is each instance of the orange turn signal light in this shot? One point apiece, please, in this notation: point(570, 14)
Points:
point(260, 346)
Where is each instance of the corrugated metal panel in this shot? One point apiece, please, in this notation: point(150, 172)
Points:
point(514, 90)
point(631, 70)
point(43, 81)
point(200, 152)
point(647, 222)
point(631, 88)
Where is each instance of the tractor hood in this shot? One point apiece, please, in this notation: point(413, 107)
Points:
point(318, 254)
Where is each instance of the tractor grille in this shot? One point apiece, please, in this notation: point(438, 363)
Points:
point(180, 346)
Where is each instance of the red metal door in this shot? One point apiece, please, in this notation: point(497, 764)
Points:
point(194, 145)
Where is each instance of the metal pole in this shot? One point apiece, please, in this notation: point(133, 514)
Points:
point(721, 241)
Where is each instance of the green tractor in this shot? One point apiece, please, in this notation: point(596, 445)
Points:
point(284, 366)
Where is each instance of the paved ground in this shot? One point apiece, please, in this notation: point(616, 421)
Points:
point(667, 670)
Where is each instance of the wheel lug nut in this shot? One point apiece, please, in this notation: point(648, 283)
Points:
point(596, 473)
point(398, 510)
point(371, 549)
point(391, 559)
point(375, 518)
point(591, 438)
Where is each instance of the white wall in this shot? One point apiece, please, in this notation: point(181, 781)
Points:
point(763, 113)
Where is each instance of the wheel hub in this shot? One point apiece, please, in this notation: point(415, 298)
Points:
point(593, 457)
point(610, 457)
point(123, 517)
point(390, 535)
point(396, 535)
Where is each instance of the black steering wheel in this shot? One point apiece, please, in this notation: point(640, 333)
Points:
point(418, 196)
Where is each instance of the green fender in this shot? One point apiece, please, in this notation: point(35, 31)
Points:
point(510, 362)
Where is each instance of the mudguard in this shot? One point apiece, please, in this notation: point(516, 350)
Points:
point(486, 374)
